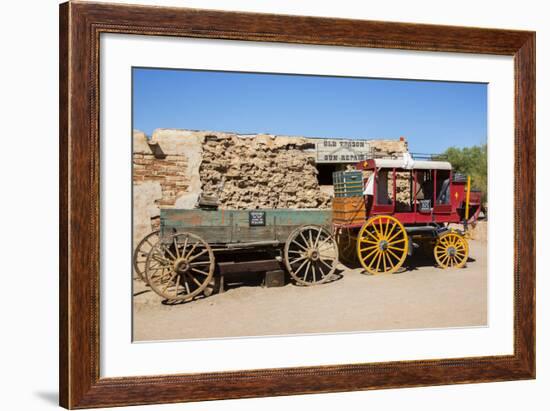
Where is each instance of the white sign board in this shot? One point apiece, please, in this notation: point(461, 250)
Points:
point(342, 151)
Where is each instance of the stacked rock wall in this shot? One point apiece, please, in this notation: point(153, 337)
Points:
point(263, 171)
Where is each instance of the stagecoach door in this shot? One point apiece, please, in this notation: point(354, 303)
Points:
point(384, 191)
point(442, 191)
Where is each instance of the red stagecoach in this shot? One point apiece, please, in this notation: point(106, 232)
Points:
point(387, 207)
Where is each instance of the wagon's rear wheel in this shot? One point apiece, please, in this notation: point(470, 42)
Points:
point(311, 255)
point(181, 267)
point(382, 245)
point(142, 251)
point(451, 251)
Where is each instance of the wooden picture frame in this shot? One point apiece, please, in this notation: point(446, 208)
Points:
point(80, 27)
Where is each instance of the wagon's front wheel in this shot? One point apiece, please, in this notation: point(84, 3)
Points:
point(451, 251)
point(382, 245)
point(180, 267)
point(311, 255)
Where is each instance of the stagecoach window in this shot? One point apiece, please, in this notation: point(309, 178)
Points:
point(385, 181)
point(425, 186)
point(443, 187)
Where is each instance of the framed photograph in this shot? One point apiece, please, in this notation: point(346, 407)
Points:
point(258, 205)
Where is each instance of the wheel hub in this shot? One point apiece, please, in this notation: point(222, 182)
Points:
point(451, 251)
point(313, 255)
point(383, 245)
point(181, 265)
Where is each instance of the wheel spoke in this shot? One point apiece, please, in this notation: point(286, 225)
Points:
point(176, 248)
point(167, 250)
point(200, 263)
point(325, 263)
point(371, 253)
point(317, 239)
point(296, 260)
point(376, 230)
point(397, 241)
point(396, 248)
point(391, 231)
point(374, 258)
point(186, 285)
point(169, 282)
point(200, 271)
point(326, 240)
point(384, 260)
point(395, 255)
point(371, 234)
point(194, 279)
point(389, 240)
point(299, 268)
point(380, 255)
point(191, 250)
point(305, 239)
point(299, 245)
point(307, 269)
point(370, 247)
point(369, 241)
point(197, 255)
point(185, 245)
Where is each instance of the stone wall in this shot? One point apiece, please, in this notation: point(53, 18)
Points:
point(263, 171)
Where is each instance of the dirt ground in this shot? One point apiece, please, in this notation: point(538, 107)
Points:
point(420, 296)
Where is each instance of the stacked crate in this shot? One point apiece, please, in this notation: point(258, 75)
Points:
point(348, 205)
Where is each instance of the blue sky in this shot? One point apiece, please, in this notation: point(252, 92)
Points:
point(432, 116)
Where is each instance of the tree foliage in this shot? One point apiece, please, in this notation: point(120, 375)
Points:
point(470, 161)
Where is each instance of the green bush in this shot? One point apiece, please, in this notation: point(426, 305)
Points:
point(471, 161)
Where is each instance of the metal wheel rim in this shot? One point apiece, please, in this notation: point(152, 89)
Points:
point(141, 252)
point(180, 268)
point(311, 255)
point(451, 251)
point(382, 245)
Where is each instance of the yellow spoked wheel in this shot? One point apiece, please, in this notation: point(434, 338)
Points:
point(451, 251)
point(382, 245)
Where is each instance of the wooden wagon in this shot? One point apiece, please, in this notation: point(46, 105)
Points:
point(192, 247)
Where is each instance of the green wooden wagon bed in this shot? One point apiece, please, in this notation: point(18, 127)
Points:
point(185, 255)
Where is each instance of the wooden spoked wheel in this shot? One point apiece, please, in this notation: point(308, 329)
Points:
point(311, 255)
point(346, 239)
point(382, 245)
point(180, 267)
point(142, 251)
point(451, 251)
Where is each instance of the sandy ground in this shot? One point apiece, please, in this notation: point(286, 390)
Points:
point(421, 296)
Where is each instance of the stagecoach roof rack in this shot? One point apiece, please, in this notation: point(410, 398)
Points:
point(406, 161)
point(415, 156)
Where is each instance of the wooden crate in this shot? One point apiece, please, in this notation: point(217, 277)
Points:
point(348, 210)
